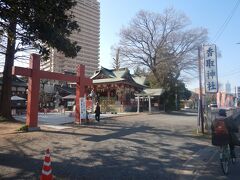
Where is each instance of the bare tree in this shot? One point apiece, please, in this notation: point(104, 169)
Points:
point(163, 43)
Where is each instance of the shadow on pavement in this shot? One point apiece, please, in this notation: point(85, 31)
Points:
point(99, 164)
point(120, 151)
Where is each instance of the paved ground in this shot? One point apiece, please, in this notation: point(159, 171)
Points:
point(204, 165)
point(58, 118)
point(157, 146)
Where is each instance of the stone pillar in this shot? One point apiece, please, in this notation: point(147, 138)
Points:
point(138, 104)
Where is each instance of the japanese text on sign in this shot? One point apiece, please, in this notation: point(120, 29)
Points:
point(210, 68)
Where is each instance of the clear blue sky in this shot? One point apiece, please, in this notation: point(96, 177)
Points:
point(210, 14)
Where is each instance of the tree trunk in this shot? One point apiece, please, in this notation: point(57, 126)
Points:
point(5, 104)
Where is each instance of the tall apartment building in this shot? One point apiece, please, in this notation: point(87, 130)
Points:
point(87, 14)
point(238, 92)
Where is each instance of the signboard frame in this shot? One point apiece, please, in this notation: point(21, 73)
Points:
point(210, 68)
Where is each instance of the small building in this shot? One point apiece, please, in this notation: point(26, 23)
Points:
point(19, 94)
point(19, 86)
point(18, 105)
point(149, 100)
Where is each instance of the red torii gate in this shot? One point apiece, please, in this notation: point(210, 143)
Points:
point(34, 75)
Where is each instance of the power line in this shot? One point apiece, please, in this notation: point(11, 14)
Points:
point(230, 74)
point(224, 25)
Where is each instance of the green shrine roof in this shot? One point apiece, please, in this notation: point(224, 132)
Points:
point(105, 75)
point(16, 81)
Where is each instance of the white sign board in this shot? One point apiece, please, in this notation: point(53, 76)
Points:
point(210, 68)
point(83, 109)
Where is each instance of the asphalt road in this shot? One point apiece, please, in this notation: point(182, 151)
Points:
point(156, 146)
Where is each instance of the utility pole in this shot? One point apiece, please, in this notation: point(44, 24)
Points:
point(176, 97)
point(200, 108)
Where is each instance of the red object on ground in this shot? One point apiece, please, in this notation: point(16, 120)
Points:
point(46, 169)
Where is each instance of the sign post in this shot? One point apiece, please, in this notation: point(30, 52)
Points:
point(200, 108)
point(210, 70)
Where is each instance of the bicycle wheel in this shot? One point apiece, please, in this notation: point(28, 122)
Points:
point(225, 159)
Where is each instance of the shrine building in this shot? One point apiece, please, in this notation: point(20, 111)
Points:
point(116, 89)
point(19, 86)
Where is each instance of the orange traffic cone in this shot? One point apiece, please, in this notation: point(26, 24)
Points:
point(46, 169)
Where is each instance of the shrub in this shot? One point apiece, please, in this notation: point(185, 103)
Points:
point(24, 128)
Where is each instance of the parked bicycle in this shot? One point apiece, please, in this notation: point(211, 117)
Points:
point(223, 135)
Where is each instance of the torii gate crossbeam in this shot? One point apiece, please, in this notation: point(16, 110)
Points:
point(34, 75)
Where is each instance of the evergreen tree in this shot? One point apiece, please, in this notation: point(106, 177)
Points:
point(38, 24)
point(116, 60)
